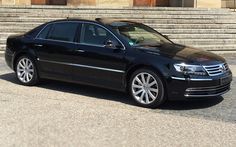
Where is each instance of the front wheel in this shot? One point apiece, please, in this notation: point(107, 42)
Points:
point(26, 71)
point(147, 88)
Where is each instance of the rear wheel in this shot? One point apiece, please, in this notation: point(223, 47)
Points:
point(26, 71)
point(147, 88)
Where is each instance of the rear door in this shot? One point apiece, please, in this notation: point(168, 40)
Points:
point(54, 47)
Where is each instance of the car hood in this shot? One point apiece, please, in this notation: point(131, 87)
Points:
point(183, 54)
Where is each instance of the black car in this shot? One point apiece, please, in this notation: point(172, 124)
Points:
point(119, 55)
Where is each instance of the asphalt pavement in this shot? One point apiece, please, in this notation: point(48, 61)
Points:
point(62, 114)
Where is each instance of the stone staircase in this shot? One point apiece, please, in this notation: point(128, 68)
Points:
point(209, 29)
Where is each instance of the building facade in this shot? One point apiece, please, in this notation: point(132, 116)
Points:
point(126, 3)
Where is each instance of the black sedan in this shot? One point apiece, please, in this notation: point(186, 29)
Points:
point(119, 55)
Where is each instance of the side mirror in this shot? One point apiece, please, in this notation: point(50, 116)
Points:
point(112, 44)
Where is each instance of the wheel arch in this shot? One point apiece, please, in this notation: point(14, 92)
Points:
point(143, 66)
point(20, 54)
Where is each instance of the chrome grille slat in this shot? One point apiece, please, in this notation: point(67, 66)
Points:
point(215, 70)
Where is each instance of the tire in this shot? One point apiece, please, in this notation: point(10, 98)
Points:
point(26, 71)
point(146, 88)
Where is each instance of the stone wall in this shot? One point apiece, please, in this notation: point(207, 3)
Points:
point(209, 3)
point(81, 2)
point(114, 3)
point(228, 4)
point(8, 2)
point(15, 2)
point(129, 3)
point(23, 2)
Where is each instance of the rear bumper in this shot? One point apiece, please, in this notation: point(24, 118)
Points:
point(9, 59)
point(187, 88)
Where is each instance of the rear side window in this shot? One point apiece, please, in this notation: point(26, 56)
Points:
point(63, 31)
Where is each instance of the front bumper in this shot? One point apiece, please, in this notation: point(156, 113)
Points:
point(187, 88)
point(207, 91)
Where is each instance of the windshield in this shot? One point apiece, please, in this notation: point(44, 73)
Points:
point(140, 35)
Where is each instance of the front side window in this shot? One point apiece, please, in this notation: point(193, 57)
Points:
point(138, 34)
point(95, 35)
point(63, 31)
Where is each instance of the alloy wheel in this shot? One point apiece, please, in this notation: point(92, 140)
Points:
point(25, 70)
point(145, 88)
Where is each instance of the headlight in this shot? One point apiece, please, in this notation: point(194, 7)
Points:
point(190, 69)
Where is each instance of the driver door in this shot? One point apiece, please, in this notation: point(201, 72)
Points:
point(97, 63)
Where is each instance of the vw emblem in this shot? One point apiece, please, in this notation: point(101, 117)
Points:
point(222, 68)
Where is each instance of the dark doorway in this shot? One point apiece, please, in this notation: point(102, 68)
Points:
point(151, 3)
point(38, 2)
point(48, 2)
point(145, 3)
point(57, 2)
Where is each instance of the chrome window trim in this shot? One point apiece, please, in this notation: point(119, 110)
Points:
point(57, 40)
point(71, 42)
point(190, 79)
point(81, 65)
point(124, 48)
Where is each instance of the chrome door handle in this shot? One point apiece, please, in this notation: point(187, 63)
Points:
point(81, 51)
point(38, 45)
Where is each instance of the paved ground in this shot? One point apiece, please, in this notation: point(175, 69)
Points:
point(62, 114)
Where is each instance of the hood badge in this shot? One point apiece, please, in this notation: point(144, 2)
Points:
point(222, 68)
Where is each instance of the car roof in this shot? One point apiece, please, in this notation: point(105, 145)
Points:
point(104, 21)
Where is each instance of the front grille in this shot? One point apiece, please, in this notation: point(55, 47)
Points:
point(207, 91)
point(215, 70)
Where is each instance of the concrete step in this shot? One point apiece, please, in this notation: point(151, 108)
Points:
point(157, 26)
point(2, 41)
point(57, 7)
point(216, 47)
point(192, 26)
point(205, 41)
point(61, 12)
point(5, 35)
point(2, 47)
point(210, 29)
point(148, 21)
point(201, 36)
point(127, 15)
point(197, 31)
point(20, 28)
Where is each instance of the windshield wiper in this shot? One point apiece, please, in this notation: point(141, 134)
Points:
point(149, 44)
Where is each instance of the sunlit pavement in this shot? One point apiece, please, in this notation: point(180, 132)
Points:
point(62, 114)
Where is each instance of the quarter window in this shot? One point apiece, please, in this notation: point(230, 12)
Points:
point(95, 35)
point(44, 33)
